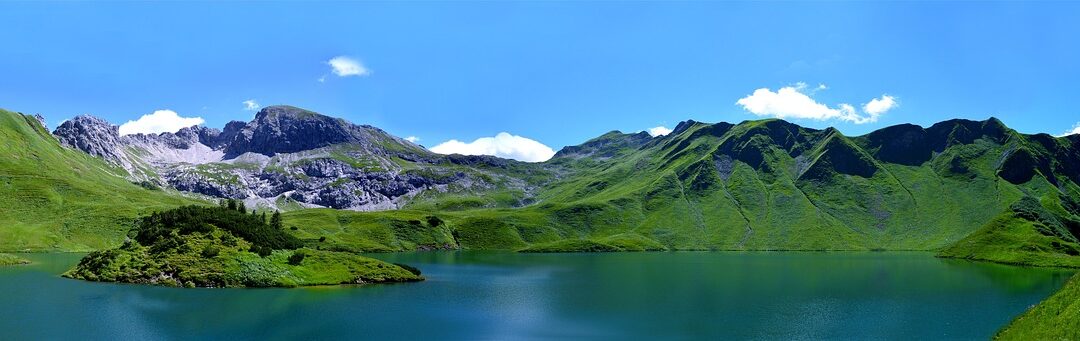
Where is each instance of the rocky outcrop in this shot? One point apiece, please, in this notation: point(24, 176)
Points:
point(287, 129)
point(94, 136)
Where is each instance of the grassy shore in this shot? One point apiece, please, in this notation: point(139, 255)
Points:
point(6, 259)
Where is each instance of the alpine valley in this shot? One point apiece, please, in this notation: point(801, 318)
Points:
point(973, 190)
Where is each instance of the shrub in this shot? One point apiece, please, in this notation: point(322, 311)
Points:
point(297, 257)
point(434, 221)
point(262, 251)
point(210, 251)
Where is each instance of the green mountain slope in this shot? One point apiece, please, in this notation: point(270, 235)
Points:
point(54, 198)
point(761, 185)
point(1026, 234)
point(774, 185)
point(756, 185)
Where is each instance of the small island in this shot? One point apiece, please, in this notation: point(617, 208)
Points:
point(6, 259)
point(225, 247)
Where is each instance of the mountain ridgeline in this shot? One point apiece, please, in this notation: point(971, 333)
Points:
point(756, 185)
point(289, 158)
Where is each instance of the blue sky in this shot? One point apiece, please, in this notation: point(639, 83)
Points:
point(554, 72)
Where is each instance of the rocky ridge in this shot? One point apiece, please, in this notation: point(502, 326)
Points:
point(289, 157)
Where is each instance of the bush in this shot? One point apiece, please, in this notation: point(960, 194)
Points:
point(297, 257)
point(210, 251)
point(262, 251)
point(434, 221)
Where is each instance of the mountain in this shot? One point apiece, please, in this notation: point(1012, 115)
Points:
point(755, 185)
point(771, 184)
point(288, 158)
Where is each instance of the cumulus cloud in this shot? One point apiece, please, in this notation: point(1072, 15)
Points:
point(879, 106)
point(792, 102)
point(160, 121)
point(1075, 130)
point(343, 66)
point(502, 145)
point(412, 139)
point(659, 131)
point(251, 105)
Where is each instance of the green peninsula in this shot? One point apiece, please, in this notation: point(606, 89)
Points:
point(198, 246)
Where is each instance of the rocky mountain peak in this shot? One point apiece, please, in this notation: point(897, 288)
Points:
point(288, 129)
point(92, 135)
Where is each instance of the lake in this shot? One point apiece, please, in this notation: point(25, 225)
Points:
point(508, 296)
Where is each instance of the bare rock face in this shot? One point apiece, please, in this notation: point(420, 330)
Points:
point(285, 152)
point(92, 135)
point(286, 129)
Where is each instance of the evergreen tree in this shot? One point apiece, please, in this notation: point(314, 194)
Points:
point(275, 220)
point(232, 204)
point(264, 217)
point(240, 207)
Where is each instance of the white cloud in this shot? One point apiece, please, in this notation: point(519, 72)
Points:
point(879, 106)
point(1075, 130)
point(251, 105)
point(791, 102)
point(502, 145)
point(343, 66)
point(161, 121)
point(659, 131)
point(412, 139)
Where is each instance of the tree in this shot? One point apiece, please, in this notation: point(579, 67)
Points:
point(231, 204)
point(240, 207)
point(264, 217)
point(275, 220)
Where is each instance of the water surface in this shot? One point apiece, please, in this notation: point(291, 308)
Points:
point(481, 295)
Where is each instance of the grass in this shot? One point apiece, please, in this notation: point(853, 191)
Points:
point(6, 259)
point(59, 199)
point(1009, 239)
point(1025, 234)
point(1056, 318)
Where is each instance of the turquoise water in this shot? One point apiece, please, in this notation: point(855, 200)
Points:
point(505, 296)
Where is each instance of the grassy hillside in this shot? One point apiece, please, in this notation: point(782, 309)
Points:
point(758, 185)
point(1025, 234)
point(58, 199)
